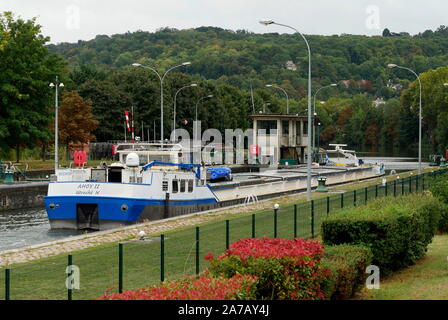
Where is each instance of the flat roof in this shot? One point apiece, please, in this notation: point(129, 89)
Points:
point(279, 116)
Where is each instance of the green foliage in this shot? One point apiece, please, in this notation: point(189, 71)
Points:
point(27, 69)
point(434, 105)
point(397, 230)
point(348, 265)
point(439, 188)
point(285, 269)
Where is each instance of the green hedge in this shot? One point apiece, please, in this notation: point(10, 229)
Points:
point(347, 264)
point(397, 230)
point(439, 188)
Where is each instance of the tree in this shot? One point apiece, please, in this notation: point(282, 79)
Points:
point(76, 121)
point(26, 70)
point(434, 102)
point(386, 33)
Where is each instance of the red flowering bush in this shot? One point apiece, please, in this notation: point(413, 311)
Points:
point(286, 269)
point(205, 287)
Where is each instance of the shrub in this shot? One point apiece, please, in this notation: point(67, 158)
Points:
point(397, 230)
point(205, 287)
point(439, 188)
point(286, 269)
point(348, 265)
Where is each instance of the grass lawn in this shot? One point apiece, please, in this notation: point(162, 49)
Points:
point(426, 280)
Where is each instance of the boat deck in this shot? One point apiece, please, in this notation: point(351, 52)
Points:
point(271, 175)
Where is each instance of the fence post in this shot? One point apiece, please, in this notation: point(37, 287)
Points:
point(423, 182)
point(354, 198)
point(416, 182)
point(395, 188)
point(366, 190)
point(120, 268)
point(312, 218)
point(376, 191)
point(69, 290)
point(7, 284)
point(295, 221)
point(328, 206)
point(162, 257)
point(227, 234)
point(410, 184)
point(342, 200)
point(197, 250)
point(275, 222)
point(385, 190)
point(402, 186)
point(253, 225)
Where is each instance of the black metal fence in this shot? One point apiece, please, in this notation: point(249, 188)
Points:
point(141, 263)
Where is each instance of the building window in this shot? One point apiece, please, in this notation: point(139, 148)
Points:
point(285, 127)
point(305, 127)
point(175, 186)
point(267, 125)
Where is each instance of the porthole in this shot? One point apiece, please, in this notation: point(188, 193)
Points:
point(124, 207)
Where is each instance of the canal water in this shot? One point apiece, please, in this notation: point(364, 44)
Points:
point(20, 228)
point(24, 227)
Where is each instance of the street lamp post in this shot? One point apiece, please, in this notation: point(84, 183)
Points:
point(392, 65)
point(174, 111)
point(56, 85)
point(161, 78)
point(308, 163)
point(284, 91)
point(196, 113)
point(314, 107)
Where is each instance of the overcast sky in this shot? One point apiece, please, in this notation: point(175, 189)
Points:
point(73, 20)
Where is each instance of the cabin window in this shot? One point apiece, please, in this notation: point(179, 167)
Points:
point(165, 185)
point(132, 179)
point(175, 186)
point(190, 185)
point(182, 185)
point(139, 179)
